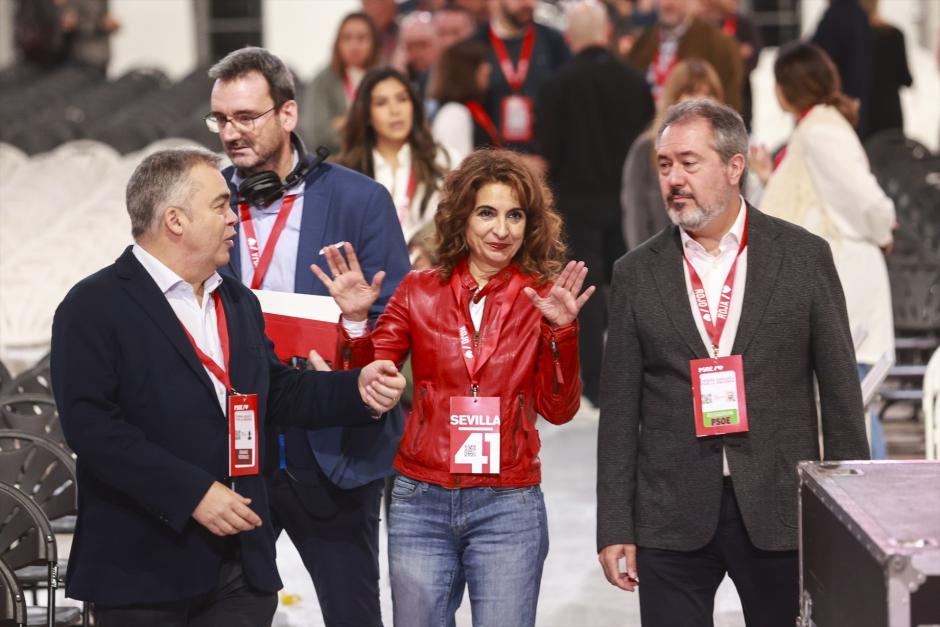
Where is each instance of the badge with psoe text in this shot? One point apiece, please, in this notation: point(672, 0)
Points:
point(474, 435)
point(718, 395)
point(243, 435)
point(517, 118)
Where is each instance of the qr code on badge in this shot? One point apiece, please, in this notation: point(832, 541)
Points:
point(470, 450)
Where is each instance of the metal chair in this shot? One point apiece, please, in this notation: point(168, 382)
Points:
point(12, 601)
point(33, 413)
point(36, 380)
point(26, 539)
point(42, 470)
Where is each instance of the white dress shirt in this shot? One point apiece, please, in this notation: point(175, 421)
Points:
point(395, 180)
point(713, 270)
point(283, 269)
point(198, 319)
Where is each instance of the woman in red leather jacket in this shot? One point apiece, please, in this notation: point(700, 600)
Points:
point(494, 345)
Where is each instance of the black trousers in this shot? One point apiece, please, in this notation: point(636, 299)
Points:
point(336, 533)
point(597, 240)
point(232, 603)
point(677, 588)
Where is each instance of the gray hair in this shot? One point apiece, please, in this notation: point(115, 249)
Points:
point(240, 62)
point(160, 181)
point(729, 135)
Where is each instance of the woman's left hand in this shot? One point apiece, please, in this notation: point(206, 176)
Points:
point(562, 303)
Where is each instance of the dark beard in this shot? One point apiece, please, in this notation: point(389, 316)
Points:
point(515, 21)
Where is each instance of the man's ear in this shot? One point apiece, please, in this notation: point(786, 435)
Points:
point(288, 115)
point(174, 220)
point(736, 166)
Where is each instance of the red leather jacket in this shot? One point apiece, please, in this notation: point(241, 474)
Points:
point(533, 370)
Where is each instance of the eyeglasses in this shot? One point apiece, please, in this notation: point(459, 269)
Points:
point(244, 122)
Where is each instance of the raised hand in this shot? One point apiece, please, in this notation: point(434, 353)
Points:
point(347, 285)
point(225, 512)
point(562, 303)
point(381, 385)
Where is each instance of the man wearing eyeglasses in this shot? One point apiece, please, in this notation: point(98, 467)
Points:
point(326, 486)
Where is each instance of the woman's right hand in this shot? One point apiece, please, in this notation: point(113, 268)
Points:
point(347, 285)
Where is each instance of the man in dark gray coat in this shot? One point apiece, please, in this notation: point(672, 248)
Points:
point(697, 483)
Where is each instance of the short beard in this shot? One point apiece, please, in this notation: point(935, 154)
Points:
point(514, 20)
point(696, 219)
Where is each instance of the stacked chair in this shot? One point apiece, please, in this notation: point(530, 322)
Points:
point(38, 499)
point(910, 174)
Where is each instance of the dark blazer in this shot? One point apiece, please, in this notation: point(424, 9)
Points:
point(700, 41)
point(589, 114)
point(342, 205)
point(658, 485)
point(139, 410)
point(844, 32)
point(548, 54)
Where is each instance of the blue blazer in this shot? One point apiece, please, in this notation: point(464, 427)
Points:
point(142, 415)
point(342, 205)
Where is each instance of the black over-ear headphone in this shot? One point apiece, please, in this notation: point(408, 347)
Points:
point(265, 187)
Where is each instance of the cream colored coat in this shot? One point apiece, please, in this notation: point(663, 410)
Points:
point(825, 185)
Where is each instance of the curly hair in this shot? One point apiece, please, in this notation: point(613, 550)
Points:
point(542, 253)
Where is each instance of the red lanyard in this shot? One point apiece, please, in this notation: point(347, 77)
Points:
point(405, 208)
point(661, 74)
point(473, 361)
point(482, 118)
point(349, 88)
point(778, 158)
point(515, 75)
point(261, 261)
point(221, 324)
point(714, 327)
point(730, 26)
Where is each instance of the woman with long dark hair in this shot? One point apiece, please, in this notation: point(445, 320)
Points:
point(459, 83)
point(330, 94)
point(386, 138)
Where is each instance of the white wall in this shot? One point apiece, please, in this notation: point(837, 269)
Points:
point(301, 32)
point(154, 33)
point(6, 32)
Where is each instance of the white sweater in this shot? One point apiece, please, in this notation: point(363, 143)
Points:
point(825, 185)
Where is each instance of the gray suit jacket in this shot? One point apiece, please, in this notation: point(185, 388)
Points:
point(658, 485)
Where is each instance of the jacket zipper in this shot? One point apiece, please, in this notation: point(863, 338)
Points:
point(515, 428)
point(414, 440)
point(559, 378)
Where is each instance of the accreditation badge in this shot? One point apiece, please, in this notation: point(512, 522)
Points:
point(474, 435)
point(243, 435)
point(718, 395)
point(517, 118)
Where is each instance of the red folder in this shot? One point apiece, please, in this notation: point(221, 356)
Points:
point(297, 323)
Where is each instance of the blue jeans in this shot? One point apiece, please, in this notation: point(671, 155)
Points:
point(493, 540)
point(879, 447)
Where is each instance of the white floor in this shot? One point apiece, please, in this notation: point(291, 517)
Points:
point(574, 591)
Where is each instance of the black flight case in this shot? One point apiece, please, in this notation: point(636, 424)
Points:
point(870, 544)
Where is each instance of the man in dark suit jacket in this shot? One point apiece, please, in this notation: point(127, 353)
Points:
point(589, 114)
point(531, 52)
point(845, 33)
point(326, 488)
point(685, 510)
point(679, 35)
point(146, 354)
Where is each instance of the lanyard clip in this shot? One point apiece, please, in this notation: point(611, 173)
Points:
point(474, 388)
point(714, 351)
